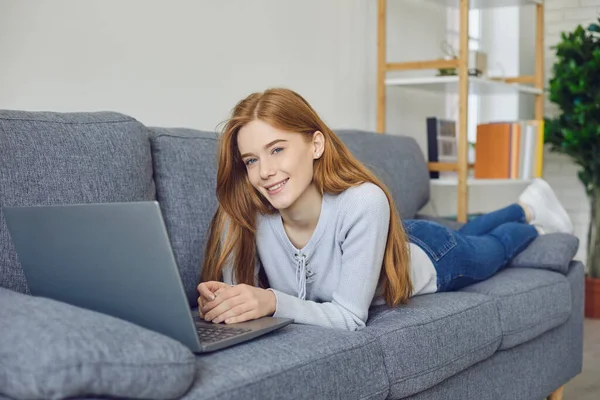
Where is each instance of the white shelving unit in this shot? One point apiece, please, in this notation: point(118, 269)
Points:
point(463, 85)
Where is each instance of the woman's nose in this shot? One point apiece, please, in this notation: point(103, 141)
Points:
point(266, 169)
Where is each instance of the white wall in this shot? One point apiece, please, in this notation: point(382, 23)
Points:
point(186, 62)
point(181, 62)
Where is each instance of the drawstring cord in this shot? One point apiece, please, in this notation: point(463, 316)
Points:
point(301, 274)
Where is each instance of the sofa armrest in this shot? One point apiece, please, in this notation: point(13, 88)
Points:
point(553, 251)
point(55, 350)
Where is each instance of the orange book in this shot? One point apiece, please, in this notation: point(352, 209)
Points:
point(497, 151)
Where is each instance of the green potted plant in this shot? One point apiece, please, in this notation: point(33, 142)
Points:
point(575, 131)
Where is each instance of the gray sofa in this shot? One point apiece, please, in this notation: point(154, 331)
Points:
point(515, 336)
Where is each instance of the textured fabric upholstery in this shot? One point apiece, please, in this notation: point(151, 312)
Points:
point(553, 252)
point(433, 337)
point(530, 302)
point(185, 174)
point(54, 158)
point(398, 161)
point(529, 371)
point(295, 362)
point(53, 350)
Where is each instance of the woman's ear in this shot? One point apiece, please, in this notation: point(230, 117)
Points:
point(318, 144)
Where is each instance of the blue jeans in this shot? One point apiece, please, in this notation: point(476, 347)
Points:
point(475, 252)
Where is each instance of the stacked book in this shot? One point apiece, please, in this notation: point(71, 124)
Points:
point(508, 150)
point(503, 150)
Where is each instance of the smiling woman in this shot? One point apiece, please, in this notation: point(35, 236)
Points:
point(304, 231)
point(279, 163)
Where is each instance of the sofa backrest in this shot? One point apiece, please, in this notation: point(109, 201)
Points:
point(64, 158)
point(398, 161)
point(185, 172)
point(53, 158)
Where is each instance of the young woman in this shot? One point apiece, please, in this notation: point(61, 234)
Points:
point(297, 206)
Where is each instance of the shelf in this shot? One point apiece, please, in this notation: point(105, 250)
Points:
point(480, 182)
point(479, 4)
point(478, 86)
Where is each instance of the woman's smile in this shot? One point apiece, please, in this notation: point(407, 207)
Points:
point(278, 187)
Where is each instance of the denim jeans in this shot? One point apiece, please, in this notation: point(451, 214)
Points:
point(475, 252)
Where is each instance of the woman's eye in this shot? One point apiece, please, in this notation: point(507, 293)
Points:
point(277, 150)
point(250, 161)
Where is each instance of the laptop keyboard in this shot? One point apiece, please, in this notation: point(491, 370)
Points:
point(210, 333)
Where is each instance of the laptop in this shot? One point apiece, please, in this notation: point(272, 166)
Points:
point(116, 258)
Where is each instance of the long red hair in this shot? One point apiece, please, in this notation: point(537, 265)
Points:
point(335, 171)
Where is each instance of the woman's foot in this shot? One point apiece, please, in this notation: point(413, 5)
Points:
point(546, 211)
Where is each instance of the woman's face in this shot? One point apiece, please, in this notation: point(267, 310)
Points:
point(279, 163)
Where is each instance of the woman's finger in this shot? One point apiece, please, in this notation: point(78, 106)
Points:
point(234, 312)
point(224, 306)
point(205, 290)
point(247, 316)
point(224, 295)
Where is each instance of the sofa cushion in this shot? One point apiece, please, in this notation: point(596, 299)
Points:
point(185, 173)
point(53, 350)
point(433, 337)
point(398, 161)
point(531, 370)
point(553, 252)
point(53, 158)
point(295, 362)
point(530, 302)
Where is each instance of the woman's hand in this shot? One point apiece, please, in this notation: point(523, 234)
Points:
point(239, 303)
point(207, 293)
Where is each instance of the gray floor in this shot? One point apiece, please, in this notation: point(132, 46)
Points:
point(586, 386)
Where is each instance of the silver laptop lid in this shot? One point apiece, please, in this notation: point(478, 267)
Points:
point(114, 258)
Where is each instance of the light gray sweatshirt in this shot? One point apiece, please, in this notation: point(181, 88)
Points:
point(332, 280)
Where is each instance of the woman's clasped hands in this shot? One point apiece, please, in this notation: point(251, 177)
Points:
point(220, 302)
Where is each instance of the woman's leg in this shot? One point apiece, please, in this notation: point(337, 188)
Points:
point(462, 260)
point(487, 222)
point(477, 258)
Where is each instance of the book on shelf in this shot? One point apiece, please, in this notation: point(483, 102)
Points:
point(508, 150)
point(442, 144)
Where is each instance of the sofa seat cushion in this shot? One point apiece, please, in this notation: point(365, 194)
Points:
point(433, 337)
point(64, 158)
point(530, 302)
point(185, 172)
point(53, 350)
point(295, 362)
